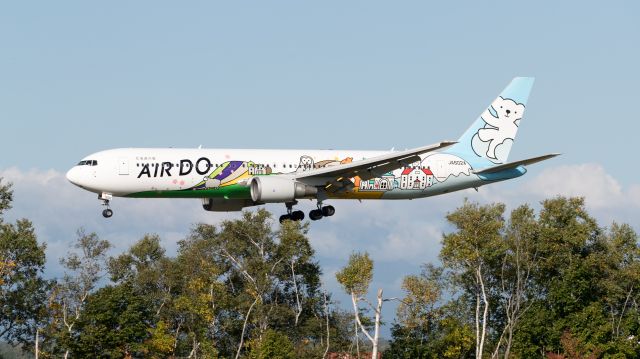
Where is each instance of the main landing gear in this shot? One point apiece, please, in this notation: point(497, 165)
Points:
point(105, 198)
point(291, 214)
point(326, 211)
point(314, 215)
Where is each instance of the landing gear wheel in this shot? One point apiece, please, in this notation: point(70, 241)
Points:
point(107, 213)
point(315, 214)
point(297, 215)
point(328, 211)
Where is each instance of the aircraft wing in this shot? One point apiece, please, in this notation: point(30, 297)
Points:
point(336, 178)
point(509, 165)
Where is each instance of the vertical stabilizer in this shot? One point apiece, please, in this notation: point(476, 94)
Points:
point(491, 136)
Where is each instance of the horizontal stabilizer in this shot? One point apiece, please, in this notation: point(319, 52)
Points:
point(510, 165)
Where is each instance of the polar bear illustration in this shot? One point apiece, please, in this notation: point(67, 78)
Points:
point(306, 164)
point(500, 129)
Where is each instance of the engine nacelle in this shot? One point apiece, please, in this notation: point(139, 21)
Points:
point(273, 189)
point(225, 205)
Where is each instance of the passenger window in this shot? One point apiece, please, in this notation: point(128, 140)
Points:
point(95, 163)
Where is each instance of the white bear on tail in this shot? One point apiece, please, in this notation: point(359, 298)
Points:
point(500, 129)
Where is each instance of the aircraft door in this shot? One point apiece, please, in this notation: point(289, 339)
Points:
point(124, 166)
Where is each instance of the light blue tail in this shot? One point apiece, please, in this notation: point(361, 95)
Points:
point(489, 139)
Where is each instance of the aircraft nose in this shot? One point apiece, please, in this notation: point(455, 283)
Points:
point(73, 176)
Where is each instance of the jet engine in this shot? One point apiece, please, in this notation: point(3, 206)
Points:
point(273, 189)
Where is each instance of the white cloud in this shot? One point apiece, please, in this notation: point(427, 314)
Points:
point(590, 180)
point(605, 198)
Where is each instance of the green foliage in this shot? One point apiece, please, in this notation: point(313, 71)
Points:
point(243, 279)
point(160, 343)
point(243, 270)
point(356, 276)
point(425, 329)
point(6, 197)
point(23, 290)
point(477, 240)
point(272, 345)
point(556, 283)
point(113, 324)
point(416, 310)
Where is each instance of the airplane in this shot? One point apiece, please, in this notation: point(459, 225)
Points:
point(233, 179)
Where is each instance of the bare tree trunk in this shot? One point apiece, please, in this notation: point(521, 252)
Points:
point(37, 337)
point(624, 308)
point(326, 313)
point(355, 337)
point(477, 322)
point(376, 335)
point(244, 327)
point(175, 342)
point(485, 313)
point(378, 310)
point(507, 350)
point(295, 287)
point(194, 348)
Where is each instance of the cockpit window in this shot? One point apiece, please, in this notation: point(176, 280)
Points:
point(88, 163)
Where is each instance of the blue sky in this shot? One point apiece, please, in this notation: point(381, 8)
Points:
point(78, 77)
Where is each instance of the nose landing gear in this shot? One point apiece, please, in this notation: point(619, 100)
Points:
point(105, 198)
point(107, 213)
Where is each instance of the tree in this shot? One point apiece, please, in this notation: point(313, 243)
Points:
point(623, 290)
point(272, 345)
point(23, 290)
point(496, 269)
point(426, 328)
point(471, 252)
point(355, 278)
point(113, 324)
point(83, 270)
point(6, 197)
point(517, 289)
point(422, 292)
point(570, 280)
point(170, 285)
point(270, 276)
point(229, 284)
point(200, 297)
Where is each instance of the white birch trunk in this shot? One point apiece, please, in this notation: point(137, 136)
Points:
point(376, 335)
point(37, 343)
point(485, 313)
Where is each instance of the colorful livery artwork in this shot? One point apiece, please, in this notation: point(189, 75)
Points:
point(229, 180)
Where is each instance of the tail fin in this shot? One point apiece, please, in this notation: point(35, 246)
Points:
point(491, 136)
